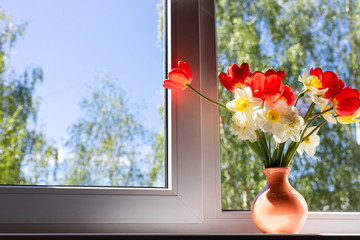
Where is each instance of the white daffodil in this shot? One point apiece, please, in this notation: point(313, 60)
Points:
point(310, 143)
point(318, 97)
point(243, 128)
point(328, 115)
point(272, 118)
point(312, 84)
point(293, 128)
point(244, 102)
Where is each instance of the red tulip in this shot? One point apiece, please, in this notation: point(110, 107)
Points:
point(328, 80)
point(280, 74)
point(236, 76)
point(288, 96)
point(346, 102)
point(179, 77)
point(267, 86)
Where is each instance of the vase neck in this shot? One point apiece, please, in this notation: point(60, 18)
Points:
point(276, 176)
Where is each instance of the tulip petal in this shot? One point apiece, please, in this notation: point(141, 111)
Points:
point(184, 66)
point(316, 72)
point(177, 75)
point(273, 84)
point(348, 106)
point(226, 81)
point(258, 82)
point(288, 96)
point(173, 86)
point(347, 92)
point(236, 74)
point(245, 69)
point(331, 81)
point(348, 119)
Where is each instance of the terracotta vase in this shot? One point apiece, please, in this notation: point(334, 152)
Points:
point(279, 208)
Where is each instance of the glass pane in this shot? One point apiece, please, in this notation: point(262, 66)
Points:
point(82, 100)
point(291, 36)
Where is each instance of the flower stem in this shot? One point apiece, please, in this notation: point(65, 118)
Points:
point(317, 127)
point(256, 148)
point(264, 147)
point(311, 121)
point(300, 95)
point(311, 108)
point(280, 155)
point(216, 103)
point(270, 147)
point(293, 146)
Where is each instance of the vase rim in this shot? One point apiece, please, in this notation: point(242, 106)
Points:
point(277, 169)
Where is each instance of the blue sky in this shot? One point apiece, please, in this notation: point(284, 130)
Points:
point(76, 40)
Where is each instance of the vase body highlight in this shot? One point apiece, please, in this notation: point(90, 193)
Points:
point(279, 208)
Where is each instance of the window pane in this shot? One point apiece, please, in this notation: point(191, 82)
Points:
point(292, 35)
point(82, 98)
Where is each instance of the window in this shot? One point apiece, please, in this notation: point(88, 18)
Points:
point(321, 37)
point(90, 111)
point(192, 202)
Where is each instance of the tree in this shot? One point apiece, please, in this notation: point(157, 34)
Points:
point(24, 152)
point(157, 172)
point(292, 35)
point(108, 143)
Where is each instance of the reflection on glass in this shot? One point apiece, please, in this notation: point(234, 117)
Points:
point(292, 35)
point(81, 95)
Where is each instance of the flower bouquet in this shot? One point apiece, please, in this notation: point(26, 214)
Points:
point(265, 116)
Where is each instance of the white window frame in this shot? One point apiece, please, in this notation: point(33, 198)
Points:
point(192, 201)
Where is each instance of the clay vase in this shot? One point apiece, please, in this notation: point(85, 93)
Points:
point(279, 208)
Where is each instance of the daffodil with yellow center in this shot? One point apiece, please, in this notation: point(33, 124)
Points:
point(241, 104)
point(273, 115)
point(272, 118)
point(310, 143)
point(315, 82)
point(293, 128)
point(244, 103)
point(243, 128)
point(313, 85)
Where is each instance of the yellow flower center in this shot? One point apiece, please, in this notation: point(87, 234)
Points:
point(241, 104)
point(327, 108)
point(334, 103)
point(315, 82)
point(282, 98)
point(239, 85)
point(186, 84)
point(273, 115)
point(307, 140)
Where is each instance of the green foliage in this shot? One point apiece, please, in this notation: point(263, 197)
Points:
point(161, 25)
point(291, 35)
point(108, 142)
point(24, 153)
point(157, 155)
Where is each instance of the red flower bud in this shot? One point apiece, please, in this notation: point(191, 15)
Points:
point(236, 76)
point(179, 77)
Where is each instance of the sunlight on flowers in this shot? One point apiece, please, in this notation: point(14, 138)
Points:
point(310, 143)
point(264, 109)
